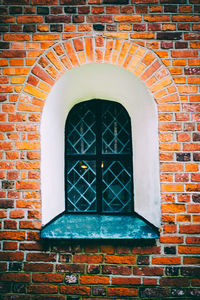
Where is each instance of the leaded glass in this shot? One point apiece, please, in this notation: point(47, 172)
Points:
point(116, 129)
point(81, 186)
point(116, 190)
point(81, 136)
point(99, 159)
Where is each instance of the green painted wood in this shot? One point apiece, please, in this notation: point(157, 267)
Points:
point(68, 226)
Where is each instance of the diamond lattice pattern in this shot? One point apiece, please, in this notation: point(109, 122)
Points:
point(116, 130)
point(81, 134)
point(116, 194)
point(81, 186)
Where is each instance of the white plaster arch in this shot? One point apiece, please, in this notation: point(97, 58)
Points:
point(102, 81)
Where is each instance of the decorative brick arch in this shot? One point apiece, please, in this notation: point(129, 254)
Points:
point(78, 51)
point(60, 58)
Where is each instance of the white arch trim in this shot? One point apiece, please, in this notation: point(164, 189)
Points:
point(102, 81)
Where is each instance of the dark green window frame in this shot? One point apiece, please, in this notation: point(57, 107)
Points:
point(98, 159)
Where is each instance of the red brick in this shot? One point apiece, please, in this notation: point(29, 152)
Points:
point(91, 259)
point(109, 249)
point(29, 225)
point(47, 257)
point(10, 224)
point(166, 260)
point(175, 282)
point(116, 270)
point(157, 18)
point(149, 281)
point(148, 271)
point(123, 250)
point(70, 268)
point(3, 266)
point(27, 185)
point(75, 290)
point(34, 214)
point(28, 165)
point(146, 250)
point(188, 250)
point(192, 187)
point(126, 280)
point(78, 45)
point(12, 235)
point(171, 167)
point(99, 19)
point(191, 260)
point(3, 214)
point(184, 53)
point(189, 228)
point(38, 267)
point(30, 246)
point(171, 239)
point(15, 277)
point(173, 208)
point(42, 289)
point(128, 18)
point(10, 245)
point(16, 256)
point(193, 208)
point(170, 228)
point(47, 277)
point(6, 165)
point(94, 279)
point(115, 259)
point(192, 240)
point(112, 291)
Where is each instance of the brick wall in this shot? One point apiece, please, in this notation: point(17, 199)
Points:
point(159, 42)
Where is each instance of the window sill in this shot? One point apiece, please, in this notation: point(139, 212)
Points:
point(81, 226)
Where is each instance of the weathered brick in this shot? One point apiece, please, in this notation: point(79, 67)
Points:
point(189, 228)
point(83, 258)
point(93, 269)
point(47, 257)
point(166, 260)
point(75, 290)
point(126, 280)
point(47, 277)
point(148, 271)
point(16, 256)
point(175, 281)
point(116, 270)
point(115, 259)
point(153, 292)
point(42, 289)
point(94, 279)
point(169, 36)
point(30, 31)
point(112, 291)
point(38, 267)
point(70, 268)
point(15, 277)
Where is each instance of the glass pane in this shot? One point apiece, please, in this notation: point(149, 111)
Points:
point(81, 137)
point(81, 186)
point(116, 193)
point(115, 129)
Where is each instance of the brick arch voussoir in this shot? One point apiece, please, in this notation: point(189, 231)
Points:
point(63, 56)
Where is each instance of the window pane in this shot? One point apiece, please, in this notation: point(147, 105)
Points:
point(115, 130)
point(81, 136)
point(81, 186)
point(116, 193)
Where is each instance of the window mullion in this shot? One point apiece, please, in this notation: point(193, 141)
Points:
point(99, 156)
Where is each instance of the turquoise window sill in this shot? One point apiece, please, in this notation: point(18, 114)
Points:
point(82, 226)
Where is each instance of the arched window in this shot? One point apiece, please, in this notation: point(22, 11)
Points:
point(98, 159)
point(92, 175)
